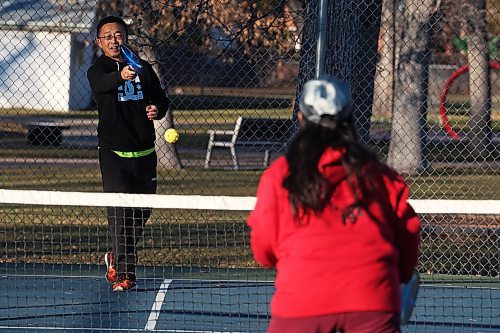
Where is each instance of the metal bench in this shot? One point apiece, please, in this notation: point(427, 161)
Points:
point(259, 134)
point(45, 133)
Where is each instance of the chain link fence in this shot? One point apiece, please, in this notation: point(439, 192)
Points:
point(424, 75)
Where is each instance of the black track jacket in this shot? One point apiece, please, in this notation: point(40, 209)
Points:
point(123, 124)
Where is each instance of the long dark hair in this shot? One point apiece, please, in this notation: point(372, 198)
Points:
point(308, 190)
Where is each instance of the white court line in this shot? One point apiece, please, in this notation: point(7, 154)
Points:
point(155, 310)
point(108, 329)
point(457, 286)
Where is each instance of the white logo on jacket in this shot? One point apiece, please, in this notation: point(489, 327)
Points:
point(130, 91)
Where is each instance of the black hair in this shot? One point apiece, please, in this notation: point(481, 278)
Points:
point(308, 190)
point(111, 19)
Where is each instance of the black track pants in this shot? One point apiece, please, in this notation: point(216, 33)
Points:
point(127, 175)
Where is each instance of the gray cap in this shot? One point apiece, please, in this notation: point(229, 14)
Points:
point(325, 96)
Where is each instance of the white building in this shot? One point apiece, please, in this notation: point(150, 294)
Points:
point(45, 51)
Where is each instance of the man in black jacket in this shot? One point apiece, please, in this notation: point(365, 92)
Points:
point(127, 104)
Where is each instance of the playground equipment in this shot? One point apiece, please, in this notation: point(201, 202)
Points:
point(442, 98)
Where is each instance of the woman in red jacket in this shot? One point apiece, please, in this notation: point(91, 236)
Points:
point(335, 223)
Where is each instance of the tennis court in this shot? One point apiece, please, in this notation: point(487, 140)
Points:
point(434, 117)
point(51, 303)
point(60, 299)
point(197, 273)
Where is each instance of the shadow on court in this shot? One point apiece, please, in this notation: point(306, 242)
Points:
point(65, 301)
point(86, 304)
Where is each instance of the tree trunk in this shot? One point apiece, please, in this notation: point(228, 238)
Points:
point(480, 133)
point(407, 149)
point(167, 152)
point(384, 77)
point(143, 25)
point(168, 157)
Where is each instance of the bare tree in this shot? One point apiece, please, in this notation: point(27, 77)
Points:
point(475, 29)
point(468, 20)
point(384, 77)
point(408, 146)
point(144, 17)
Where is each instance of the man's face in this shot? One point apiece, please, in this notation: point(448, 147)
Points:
point(109, 39)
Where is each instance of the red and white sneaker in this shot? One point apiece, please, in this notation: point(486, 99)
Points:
point(111, 274)
point(124, 285)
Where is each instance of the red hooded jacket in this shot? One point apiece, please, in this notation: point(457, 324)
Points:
point(325, 266)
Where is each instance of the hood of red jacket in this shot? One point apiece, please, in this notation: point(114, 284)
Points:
point(330, 165)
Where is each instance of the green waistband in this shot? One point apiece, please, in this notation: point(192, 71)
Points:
point(132, 154)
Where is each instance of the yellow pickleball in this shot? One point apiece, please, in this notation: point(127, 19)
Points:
point(171, 135)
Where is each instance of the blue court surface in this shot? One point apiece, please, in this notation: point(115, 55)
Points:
point(77, 303)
